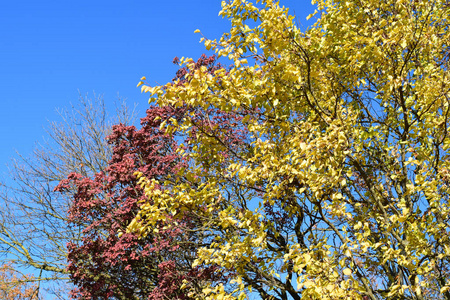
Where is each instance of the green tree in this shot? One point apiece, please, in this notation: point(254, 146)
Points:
point(340, 187)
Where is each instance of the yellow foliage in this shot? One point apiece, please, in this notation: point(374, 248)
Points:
point(342, 188)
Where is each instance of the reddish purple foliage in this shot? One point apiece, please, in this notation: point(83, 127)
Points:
point(105, 266)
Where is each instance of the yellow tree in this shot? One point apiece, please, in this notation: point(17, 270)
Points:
point(339, 186)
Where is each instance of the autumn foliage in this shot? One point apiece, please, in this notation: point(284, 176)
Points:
point(339, 186)
point(315, 167)
point(110, 262)
point(15, 286)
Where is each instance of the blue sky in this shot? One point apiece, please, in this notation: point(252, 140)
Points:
point(50, 50)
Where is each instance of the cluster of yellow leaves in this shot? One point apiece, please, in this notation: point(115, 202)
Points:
point(347, 141)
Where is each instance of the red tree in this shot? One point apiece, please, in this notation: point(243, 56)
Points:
point(107, 265)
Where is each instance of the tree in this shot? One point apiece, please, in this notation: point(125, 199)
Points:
point(15, 286)
point(33, 220)
point(339, 188)
point(109, 263)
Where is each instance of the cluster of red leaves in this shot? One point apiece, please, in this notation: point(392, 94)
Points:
point(104, 265)
point(109, 265)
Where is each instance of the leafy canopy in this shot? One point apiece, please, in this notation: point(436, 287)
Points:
point(338, 187)
point(106, 262)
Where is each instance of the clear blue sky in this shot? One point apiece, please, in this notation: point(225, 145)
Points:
point(50, 50)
